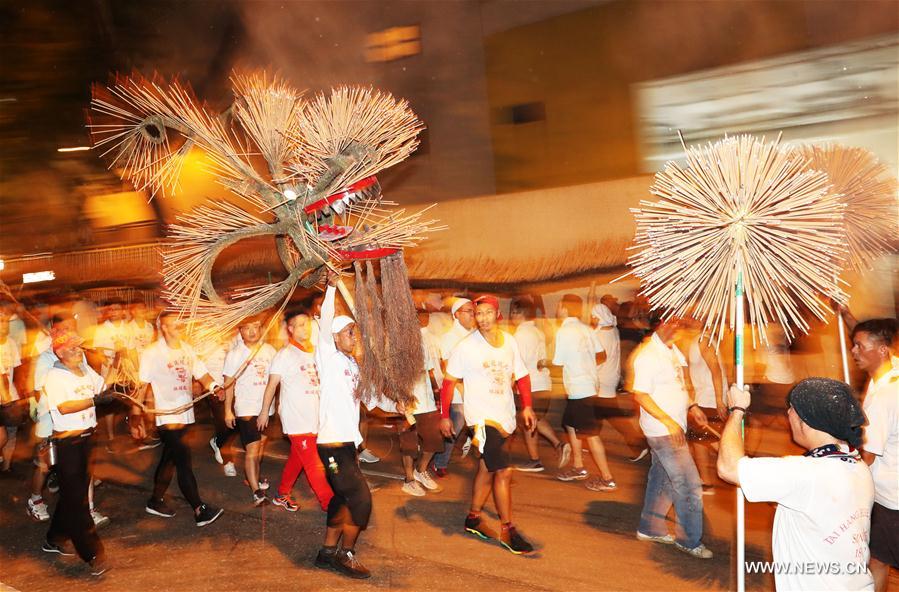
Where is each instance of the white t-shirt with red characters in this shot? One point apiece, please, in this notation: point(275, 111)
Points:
point(488, 373)
point(171, 372)
point(299, 390)
point(62, 385)
point(249, 388)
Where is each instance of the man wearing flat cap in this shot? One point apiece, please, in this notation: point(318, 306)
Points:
point(824, 497)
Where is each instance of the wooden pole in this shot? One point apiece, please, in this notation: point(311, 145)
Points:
point(842, 328)
point(741, 509)
point(347, 296)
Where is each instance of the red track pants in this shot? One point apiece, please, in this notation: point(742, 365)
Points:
point(304, 455)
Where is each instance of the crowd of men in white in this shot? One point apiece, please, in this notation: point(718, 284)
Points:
point(478, 382)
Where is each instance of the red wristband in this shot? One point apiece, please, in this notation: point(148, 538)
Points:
point(524, 390)
point(446, 397)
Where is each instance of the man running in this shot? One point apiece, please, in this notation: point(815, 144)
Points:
point(246, 373)
point(463, 324)
point(487, 360)
point(338, 438)
point(293, 369)
point(166, 370)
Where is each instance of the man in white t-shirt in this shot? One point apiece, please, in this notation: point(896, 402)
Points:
point(167, 370)
point(140, 328)
point(111, 338)
point(532, 346)
point(246, 373)
point(872, 348)
point(12, 408)
point(463, 324)
point(578, 351)
point(43, 424)
point(824, 497)
point(608, 372)
point(488, 362)
point(72, 389)
point(420, 436)
point(709, 380)
point(660, 391)
point(293, 369)
point(212, 354)
point(338, 438)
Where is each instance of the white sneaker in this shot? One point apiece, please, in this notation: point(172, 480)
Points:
point(466, 448)
point(413, 488)
point(700, 551)
point(217, 453)
point(367, 456)
point(665, 539)
point(426, 481)
point(230, 470)
point(38, 510)
point(99, 519)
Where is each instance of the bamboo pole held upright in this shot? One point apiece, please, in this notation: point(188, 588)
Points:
point(741, 502)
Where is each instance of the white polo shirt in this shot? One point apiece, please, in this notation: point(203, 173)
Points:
point(170, 373)
point(338, 416)
point(881, 407)
point(422, 391)
point(61, 385)
point(659, 372)
point(823, 517)
point(448, 341)
point(9, 361)
point(488, 373)
point(532, 347)
point(299, 401)
point(576, 349)
point(249, 388)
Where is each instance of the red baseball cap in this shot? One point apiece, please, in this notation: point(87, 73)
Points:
point(492, 301)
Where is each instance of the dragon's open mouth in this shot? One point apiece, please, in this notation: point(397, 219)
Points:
point(361, 191)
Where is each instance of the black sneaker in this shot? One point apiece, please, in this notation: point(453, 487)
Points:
point(52, 482)
point(64, 549)
point(158, 507)
point(511, 540)
point(477, 527)
point(207, 515)
point(325, 557)
point(346, 563)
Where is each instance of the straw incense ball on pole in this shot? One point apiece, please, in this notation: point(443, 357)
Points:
point(740, 205)
point(869, 190)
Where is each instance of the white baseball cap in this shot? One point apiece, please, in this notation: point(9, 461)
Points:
point(459, 303)
point(340, 323)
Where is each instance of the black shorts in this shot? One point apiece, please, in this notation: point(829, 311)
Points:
point(248, 431)
point(425, 434)
point(496, 450)
point(13, 414)
point(580, 414)
point(884, 543)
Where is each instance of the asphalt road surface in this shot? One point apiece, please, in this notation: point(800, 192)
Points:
point(585, 539)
